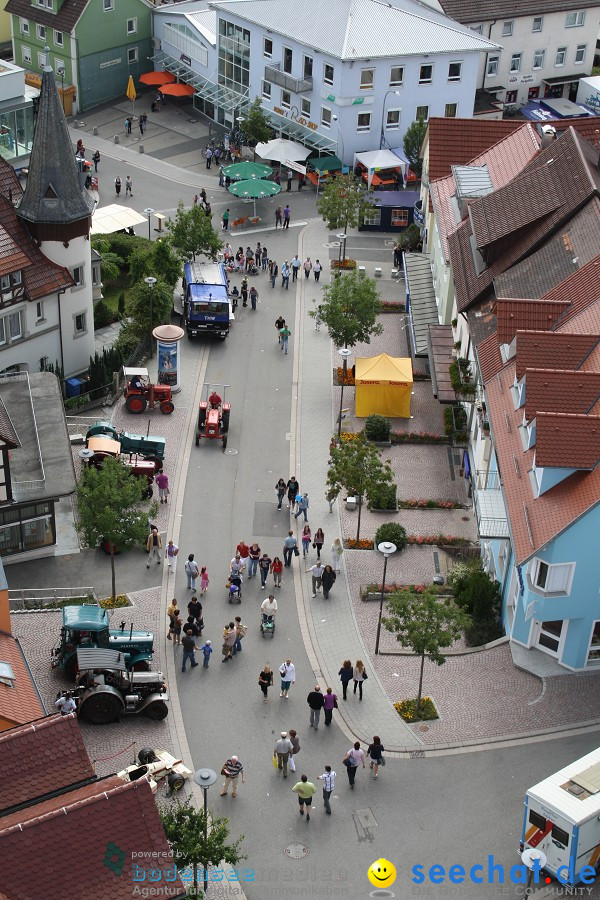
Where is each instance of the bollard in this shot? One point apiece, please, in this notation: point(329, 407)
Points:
point(141, 148)
point(95, 131)
point(116, 139)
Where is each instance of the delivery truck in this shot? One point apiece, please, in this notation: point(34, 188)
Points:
point(205, 301)
point(562, 820)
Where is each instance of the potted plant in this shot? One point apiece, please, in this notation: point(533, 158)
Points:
point(393, 533)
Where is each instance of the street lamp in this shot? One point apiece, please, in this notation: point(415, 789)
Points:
point(150, 281)
point(61, 74)
point(340, 140)
point(342, 238)
point(205, 777)
point(344, 353)
point(382, 138)
point(149, 212)
point(387, 548)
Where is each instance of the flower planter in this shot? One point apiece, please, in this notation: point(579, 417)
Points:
point(376, 509)
point(381, 443)
point(346, 265)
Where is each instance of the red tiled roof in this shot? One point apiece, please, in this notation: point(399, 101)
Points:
point(567, 351)
point(567, 440)
point(81, 844)
point(64, 19)
point(579, 289)
point(18, 703)
point(54, 739)
point(455, 142)
point(561, 391)
point(526, 315)
point(12, 258)
point(7, 430)
point(490, 358)
point(484, 10)
point(10, 186)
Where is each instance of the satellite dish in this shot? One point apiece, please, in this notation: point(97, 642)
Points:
point(531, 854)
point(86, 454)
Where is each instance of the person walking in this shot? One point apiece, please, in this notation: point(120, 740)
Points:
point(336, 555)
point(172, 608)
point(206, 651)
point(359, 676)
point(302, 507)
point(285, 275)
point(241, 632)
point(253, 558)
point(281, 752)
point(96, 160)
point(273, 272)
point(331, 496)
point(295, 267)
point(316, 572)
point(243, 550)
point(162, 483)
point(317, 269)
point(327, 580)
point(209, 155)
point(268, 608)
point(226, 219)
point(117, 185)
point(293, 488)
point(307, 267)
point(375, 751)
point(287, 214)
point(306, 537)
point(188, 643)
point(154, 546)
point(318, 541)
point(346, 674)
point(237, 565)
point(191, 570)
point(277, 571)
point(295, 740)
point(265, 258)
point(352, 760)
point(171, 554)
point(232, 769)
point(317, 317)
point(265, 681)
point(253, 297)
point(229, 639)
point(280, 487)
point(285, 336)
point(305, 790)
point(315, 703)
point(329, 704)
point(264, 567)
point(328, 778)
point(177, 628)
point(194, 609)
point(278, 217)
point(128, 186)
point(204, 580)
point(287, 670)
point(290, 176)
point(244, 291)
point(191, 624)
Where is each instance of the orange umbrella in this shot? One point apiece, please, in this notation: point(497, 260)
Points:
point(178, 90)
point(157, 78)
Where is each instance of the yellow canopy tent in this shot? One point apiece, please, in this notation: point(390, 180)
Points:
point(384, 386)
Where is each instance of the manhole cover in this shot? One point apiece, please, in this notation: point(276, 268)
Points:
point(232, 452)
point(296, 851)
point(423, 727)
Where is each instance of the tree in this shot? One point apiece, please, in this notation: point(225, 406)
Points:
point(412, 143)
point(356, 467)
point(139, 307)
point(426, 624)
point(158, 259)
point(256, 126)
point(112, 507)
point(197, 839)
point(191, 232)
point(479, 596)
point(111, 263)
point(344, 202)
point(349, 307)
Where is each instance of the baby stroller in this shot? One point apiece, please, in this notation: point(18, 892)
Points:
point(267, 624)
point(234, 588)
point(252, 269)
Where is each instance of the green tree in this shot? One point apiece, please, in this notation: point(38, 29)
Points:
point(480, 597)
point(158, 259)
point(344, 202)
point(349, 307)
point(256, 126)
point(197, 839)
point(412, 143)
point(356, 467)
point(140, 308)
point(111, 506)
point(426, 624)
point(191, 232)
point(111, 263)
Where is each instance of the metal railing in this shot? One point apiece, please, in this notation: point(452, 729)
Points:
point(23, 598)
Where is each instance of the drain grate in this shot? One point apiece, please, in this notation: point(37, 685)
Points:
point(296, 851)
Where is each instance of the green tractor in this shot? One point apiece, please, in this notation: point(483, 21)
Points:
point(88, 627)
point(147, 446)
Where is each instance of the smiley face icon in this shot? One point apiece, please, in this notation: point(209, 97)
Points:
point(381, 873)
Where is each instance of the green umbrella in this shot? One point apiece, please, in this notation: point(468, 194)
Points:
point(325, 163)
point(245, 170)
point(254, 189)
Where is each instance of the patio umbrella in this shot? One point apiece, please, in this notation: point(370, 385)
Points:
point(178, 90)
point(157, 78)
point(281, 150)
point(254, 189)
point(244, 170)
point(130, 92)
point(325, 163)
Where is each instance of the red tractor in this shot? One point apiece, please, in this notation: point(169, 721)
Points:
point(213, 416)
point(140, 393)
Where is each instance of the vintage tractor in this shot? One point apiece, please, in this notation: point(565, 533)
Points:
point(99, 448)
point(148, 446)
point(213, 416)
point(141, 394)
point(88, 626)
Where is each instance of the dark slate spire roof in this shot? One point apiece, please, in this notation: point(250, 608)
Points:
point(54, 195)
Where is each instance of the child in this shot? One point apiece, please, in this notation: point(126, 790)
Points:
point(177, 624)
point(204, 581)
point(206, 651)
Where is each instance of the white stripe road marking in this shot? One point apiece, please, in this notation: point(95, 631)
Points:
point(267, 228)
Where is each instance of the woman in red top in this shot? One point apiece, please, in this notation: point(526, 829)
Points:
point(277, 569)
point(243, 549)
point(306, 536)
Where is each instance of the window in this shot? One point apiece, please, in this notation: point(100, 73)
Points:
point(328, 74)
point(594, 651)
point(132, 55)
point(15, 326)
point(41, 59)
point(538, 24)
point(24, 26)
point(58, 38)
point(580, 53)
point(552, 579)
point(425, 74)
point(268, 48)
point(5, 283)
point(372, 217)
point(131, 26)
point(478, 29)
point(59, 66)
point(39, 312)
point(511, 97)
point(450, 110)
point(399, 218)
point(266, 90)
point(41, 32)
point(363, 122)
point(305, 107)
point(560, 835)
point(575, 19)
point(492, 66)
point(325, 117)
point(108, 5)
point(287, 60)
point(538, 59)
point(286, 99)
point(16, 277)
point(393, 118)
point(307, 66)
point(26, 54)
point(79, 321)
point(561, 56)
point(422, 113)
point(77, 274)
point(367, 79)
point(396, 76)
point(515, 62)
point(507, 28)
point(454, 71)
point(537, 820)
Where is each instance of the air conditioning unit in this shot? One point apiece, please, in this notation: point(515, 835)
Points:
point(156, 43)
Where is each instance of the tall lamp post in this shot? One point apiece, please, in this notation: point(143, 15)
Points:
point(61, 74)
point(387, 548)
point(149, 212)
point(205, 777)
point(344, 353)
point(340, 139)
point(150, 281)
point(382, 138)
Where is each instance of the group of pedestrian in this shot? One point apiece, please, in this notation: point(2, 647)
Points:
point(356, 673)
point(283, 217)
point(128, 186)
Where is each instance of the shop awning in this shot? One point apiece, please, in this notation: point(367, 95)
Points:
point(298, 132)
point(221, 96)
point(564, 79)
point(440, 346)
point(422, 307)
point(325, 163)
point(111, 218)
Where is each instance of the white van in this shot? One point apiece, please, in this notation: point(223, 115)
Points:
point(562, 819)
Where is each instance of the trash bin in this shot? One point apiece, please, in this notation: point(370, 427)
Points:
point(74, 387)
point(350, 503)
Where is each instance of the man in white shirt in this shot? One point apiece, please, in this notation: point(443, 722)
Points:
point(172, 551)
point(66, 705)
point(268, 608)
point(283, 748)
point(295, 267)
point(287, 670)
point(317, 270)
point(328, 779)
point(317, 573)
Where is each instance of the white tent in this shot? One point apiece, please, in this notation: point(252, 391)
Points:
point(108, 219)
point(378, 159)
point(285, 152)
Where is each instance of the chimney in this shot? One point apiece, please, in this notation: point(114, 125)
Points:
point(4, 610)
point(548, 135)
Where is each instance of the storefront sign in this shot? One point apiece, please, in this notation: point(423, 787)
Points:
point(185, 59)
point(111, 62)
point(293, 115)
point(358, 101)
point(527, 79)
